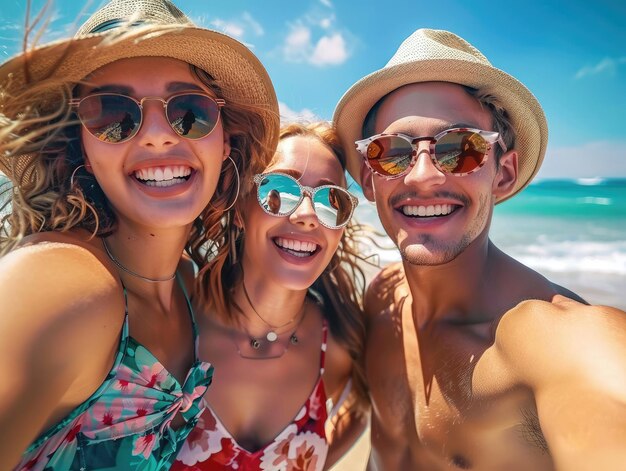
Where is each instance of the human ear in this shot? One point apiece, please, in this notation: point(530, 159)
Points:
point(506, 175)
point(367, 182)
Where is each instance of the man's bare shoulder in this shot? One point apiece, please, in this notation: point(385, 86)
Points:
point(387, 291)
point(551, 334)
point(561, 311)
point(573, 357)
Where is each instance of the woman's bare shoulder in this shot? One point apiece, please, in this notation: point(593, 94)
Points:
point(62, 313)
point(59, 288)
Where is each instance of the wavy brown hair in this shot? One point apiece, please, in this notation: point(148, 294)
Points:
point(41, 152)
point(340, 286)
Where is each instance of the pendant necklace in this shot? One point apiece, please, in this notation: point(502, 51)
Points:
point(259, 348)
point(271, 335)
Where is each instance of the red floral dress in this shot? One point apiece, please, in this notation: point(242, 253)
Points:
point(301, 446)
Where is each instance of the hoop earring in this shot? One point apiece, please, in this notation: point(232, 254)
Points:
point(238, 185)
point(74, 174)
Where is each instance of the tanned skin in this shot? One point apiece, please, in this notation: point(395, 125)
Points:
point(475, 361)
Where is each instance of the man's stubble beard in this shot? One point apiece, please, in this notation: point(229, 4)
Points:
point(440, 253)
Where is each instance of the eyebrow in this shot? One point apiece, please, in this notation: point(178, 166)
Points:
point(446, 127)
point(440, 129)
point(126, 90)
point(121, 89)
point(297, 175)
point(177, 86)
point(461, 125)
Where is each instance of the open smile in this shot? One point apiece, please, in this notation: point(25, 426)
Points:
point(163, 176)
point(297, 248)
point(432, 210)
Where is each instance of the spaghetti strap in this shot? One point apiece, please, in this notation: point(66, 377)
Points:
point(125, 330)
point(324, 345)
point(194, 327)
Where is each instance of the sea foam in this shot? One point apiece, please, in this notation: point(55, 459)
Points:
point(573, 256)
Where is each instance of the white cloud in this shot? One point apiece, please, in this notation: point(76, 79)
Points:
point(239, 27)
point(327, 21)
point(330, 50)
point(287, 115)
point(317, 38)
point(607, 65)
point(256, 27)
point(592, 159)
point(297, 44)
point(228, 27)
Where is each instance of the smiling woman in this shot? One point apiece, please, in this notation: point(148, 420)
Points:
point(282, 321)
point(115, 171)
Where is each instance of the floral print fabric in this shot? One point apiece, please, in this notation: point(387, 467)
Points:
point(301, 446)
point(126, 423)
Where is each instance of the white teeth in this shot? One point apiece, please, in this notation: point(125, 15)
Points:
point(180, 171)
point(164, 183)
point(294, 246)
point(169, 175)
point(428, 211)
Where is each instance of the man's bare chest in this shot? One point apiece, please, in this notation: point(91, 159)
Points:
point(460, 407)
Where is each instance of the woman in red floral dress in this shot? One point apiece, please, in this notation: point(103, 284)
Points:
point(282, 321)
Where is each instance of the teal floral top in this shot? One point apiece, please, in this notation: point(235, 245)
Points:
point(126, 423)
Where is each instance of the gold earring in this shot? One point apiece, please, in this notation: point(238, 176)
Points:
point(238, 186)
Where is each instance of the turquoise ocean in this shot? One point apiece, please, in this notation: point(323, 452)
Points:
point(571, 231)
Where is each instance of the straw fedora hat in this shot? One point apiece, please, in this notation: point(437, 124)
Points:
point(440, 56)
point(137, 28)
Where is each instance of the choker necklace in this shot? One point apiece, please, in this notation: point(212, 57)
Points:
point(255, 348)
point(271, 336)
point(130, 272)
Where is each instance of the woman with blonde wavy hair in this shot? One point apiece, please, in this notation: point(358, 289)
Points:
point(281, 318)
point(114, 171)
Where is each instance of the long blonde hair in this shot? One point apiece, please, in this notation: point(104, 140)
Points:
point(340, 286)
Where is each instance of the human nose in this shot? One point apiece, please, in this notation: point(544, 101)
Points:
point(156, 130)
point(424, 173)
point(305, 215)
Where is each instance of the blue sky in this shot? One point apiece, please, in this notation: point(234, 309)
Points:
point(571, 55)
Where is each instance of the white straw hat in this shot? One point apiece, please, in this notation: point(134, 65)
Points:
point(140, 28)
point(440, 56)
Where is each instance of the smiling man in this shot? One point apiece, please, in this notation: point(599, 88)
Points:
point(474, 360)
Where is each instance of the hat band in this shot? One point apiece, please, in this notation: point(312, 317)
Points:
point(112, 24)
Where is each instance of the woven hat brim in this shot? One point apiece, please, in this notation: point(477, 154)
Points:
point(236, 69)
point(525, 112)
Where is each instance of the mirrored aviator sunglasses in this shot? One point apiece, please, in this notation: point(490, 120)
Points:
point(116, 118)
point(458, 151)
point(280, 195)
